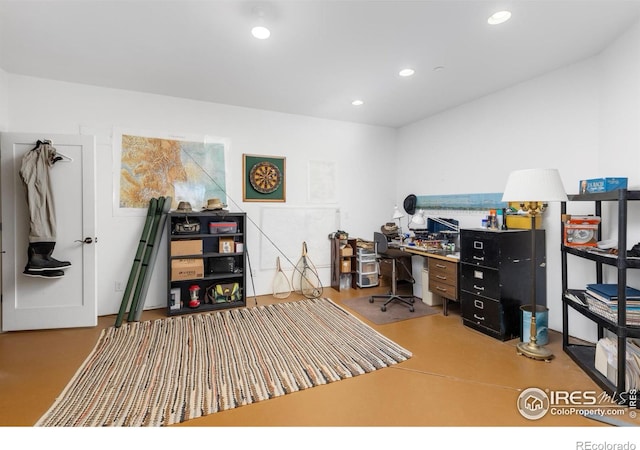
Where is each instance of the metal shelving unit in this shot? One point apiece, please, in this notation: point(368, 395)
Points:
point(584, 354)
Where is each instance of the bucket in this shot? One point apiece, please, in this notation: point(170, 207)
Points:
point(542, 323)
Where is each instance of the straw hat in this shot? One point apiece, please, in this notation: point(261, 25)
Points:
point(213, 204)
point(184, 207)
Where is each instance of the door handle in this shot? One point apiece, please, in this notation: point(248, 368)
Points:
point(86, 240)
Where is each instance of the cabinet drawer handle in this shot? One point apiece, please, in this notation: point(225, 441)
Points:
point(480, 288)
point(478, 304)
point(440, 277)
point(479, 258)
point(441, 289)
point(441, 266)
point(478, 245)
point(475, 316)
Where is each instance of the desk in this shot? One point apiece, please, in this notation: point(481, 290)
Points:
point(443, 273)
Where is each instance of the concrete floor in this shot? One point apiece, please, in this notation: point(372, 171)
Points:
point(457, 377)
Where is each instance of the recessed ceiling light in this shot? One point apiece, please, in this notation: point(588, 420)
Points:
point(499, 17)
point(406, 72)
point(357, 103)
point(260, 32)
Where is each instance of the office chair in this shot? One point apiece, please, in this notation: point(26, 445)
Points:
point(383, 252)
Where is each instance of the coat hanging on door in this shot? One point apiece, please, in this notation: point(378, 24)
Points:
point(34, 173)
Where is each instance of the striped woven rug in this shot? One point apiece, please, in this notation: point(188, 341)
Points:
point(171, 370)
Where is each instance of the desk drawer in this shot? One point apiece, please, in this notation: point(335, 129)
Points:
point(445, 290)
point(480, 280)
point(446, 271)
point(443, 278)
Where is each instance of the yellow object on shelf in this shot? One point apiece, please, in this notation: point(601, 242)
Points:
point(515, 222)
point(521, 221)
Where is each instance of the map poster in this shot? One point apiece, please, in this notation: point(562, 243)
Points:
point(151, 165)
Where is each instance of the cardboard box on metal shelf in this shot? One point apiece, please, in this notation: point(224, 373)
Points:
point(581, 231)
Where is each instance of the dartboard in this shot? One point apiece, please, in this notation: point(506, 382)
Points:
point(265, 177)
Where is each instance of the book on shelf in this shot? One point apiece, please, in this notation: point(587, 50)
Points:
point(606, 311)
point(612, 304)
point(576, 296)
point(609, 291)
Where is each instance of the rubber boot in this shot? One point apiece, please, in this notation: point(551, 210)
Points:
point(49, 246)
point(40, 258)
point(43, 273)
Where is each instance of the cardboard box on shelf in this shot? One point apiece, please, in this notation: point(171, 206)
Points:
point(187, 269)
point(186, 247)
point(345, 266)
point(347, 250)
point(581, 231)
point(226, 245)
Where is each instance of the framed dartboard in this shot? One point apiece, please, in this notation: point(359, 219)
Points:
point(264, 178)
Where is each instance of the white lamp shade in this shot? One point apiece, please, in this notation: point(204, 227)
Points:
point(397, 214)
point(534, 185)
point(418, 220)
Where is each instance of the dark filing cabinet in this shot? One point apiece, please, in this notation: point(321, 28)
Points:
point(495, 279)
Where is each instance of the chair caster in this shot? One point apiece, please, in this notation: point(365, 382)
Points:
point(412, 309)
point(371, 300)
point(383, 308)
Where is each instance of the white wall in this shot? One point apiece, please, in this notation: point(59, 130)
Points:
point(620, 117)
point(46, 106)
point(620, 131)
point(581, 119)
point(620, 106)
point(4, 121)
point(4, 101)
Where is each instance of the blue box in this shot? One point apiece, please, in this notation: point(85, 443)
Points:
point(602, 185)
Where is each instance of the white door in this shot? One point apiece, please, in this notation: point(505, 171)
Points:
point(30, 303)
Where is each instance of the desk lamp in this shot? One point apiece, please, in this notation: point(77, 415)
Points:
point(536, 187)
point(397, 215)
point(418, 221)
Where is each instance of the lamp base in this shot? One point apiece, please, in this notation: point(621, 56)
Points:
point(534, 351)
